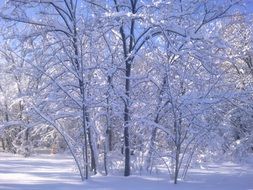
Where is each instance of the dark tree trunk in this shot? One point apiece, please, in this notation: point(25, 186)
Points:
point(3, 144)
point(105, 159)
point(128, 46)
point(150, 151)
point(108, 118)
point(126, 121)
point(92, 153)
point(79, 67)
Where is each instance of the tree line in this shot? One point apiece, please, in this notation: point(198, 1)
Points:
point(127, 85)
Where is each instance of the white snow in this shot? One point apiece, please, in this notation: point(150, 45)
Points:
point(57, 173)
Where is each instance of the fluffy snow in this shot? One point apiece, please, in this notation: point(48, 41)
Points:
point(57, 173)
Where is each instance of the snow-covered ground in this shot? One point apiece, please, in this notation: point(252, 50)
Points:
point(57, 173)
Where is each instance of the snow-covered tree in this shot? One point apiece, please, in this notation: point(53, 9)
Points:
point(127, 83)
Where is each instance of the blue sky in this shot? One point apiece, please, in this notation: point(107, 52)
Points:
point(249, 6)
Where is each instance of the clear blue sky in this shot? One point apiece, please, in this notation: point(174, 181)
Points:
point(249, 6)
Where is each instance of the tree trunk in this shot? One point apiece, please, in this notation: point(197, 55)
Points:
point(3, 145)
point(177, 164)
point(85, 146)
point(92, 152)
point(126, 122)
point(105, 158)
point(150, 154)
point(108, 118)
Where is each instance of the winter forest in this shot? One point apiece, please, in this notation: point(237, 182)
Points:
point(127, 88)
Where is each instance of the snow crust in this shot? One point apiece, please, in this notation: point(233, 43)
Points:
point(47, 172)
